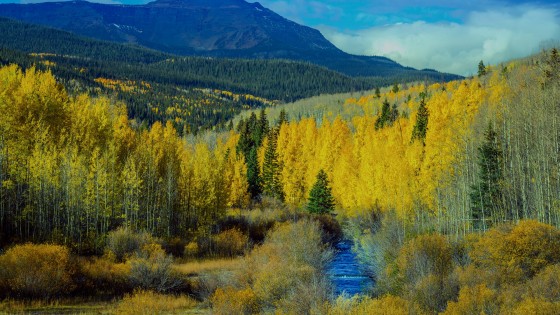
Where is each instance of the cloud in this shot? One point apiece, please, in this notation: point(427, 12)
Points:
point(494, 36)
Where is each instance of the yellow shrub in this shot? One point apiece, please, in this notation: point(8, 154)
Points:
point(474, 300)
point(546, 284)
point(147, 302)
point(231, 301)
point(535, 307)
point(36, 270)
point(191, 249)
point(517, 253)
point(104, 275)
point(230, 242)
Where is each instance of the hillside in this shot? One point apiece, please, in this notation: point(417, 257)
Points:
point(218, 28)
point(83, 64)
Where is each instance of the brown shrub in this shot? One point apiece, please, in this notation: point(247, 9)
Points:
point(425, 266)
point(36, 270)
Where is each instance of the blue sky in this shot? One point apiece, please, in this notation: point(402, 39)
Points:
point(450, 35)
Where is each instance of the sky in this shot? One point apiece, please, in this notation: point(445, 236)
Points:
point(445, 35)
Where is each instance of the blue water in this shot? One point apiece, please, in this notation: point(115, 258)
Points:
point(346, 273)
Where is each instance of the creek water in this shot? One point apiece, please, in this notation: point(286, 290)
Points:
point(346, 272)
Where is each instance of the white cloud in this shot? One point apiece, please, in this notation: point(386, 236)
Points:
point(493, 36)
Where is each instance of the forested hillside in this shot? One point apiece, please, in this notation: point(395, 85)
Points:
point(193, 93)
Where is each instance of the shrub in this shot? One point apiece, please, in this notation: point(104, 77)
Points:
point(174, 246)
point(425, 265)
point(148, 302)
point(517, 253)
point(123, 242)
point(103, 275)
point(230, 243)
point(545, 284)
point(151, 269)
point(535, 306)
point(232, 301)
point(36, 270)
point(289, 265)
point(191, 250)
point(474, 300)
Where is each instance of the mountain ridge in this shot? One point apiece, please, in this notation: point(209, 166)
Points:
point(216, 28)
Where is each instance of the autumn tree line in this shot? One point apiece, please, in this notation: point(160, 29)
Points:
point(456, 157)
point(74, 168)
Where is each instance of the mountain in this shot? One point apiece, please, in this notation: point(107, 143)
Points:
point(218, 28)
point(154, 84)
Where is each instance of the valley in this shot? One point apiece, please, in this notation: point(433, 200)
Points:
point(138, 177)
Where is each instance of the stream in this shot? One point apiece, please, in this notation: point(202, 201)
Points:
point(346, 272)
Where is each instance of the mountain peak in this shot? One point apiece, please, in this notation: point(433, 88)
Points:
point(195, 3)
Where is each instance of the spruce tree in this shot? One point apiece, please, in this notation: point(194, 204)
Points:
point(283, 118)
point(421, 126)
point(385, 117)
point(486, 195)
point(377, 92)
point(481, 69)
point(320, 198)
point(253, 176)
point(271, 183)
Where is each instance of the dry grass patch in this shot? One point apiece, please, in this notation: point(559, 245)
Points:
point(148, 302)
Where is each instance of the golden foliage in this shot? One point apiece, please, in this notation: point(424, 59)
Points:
point(474, 300)
point(517, 253)
point(231, 301)
point(36, 270)
point(231, 242)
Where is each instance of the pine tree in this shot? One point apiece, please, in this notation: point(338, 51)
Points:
point(283, 118)
point(271, 183)
point(253, 176)
point(395, 88)
point(486, 195)
point(385, 117)
point(320, 197)
point(421, 126)
point(377, 92)
point(481, 69)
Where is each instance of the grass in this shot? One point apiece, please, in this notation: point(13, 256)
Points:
point(208, 266)
point(141, 302)
point(147, 302)
point(62, 306)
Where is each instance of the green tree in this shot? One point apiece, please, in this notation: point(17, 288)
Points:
point(320, 198)
point(486, 194)
point(283, 118)
point(271, 183)
point(395, 88)
point(421, 126)
point(385, 117)
point(481, 68)
point(253, 174)
point(377, 92)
